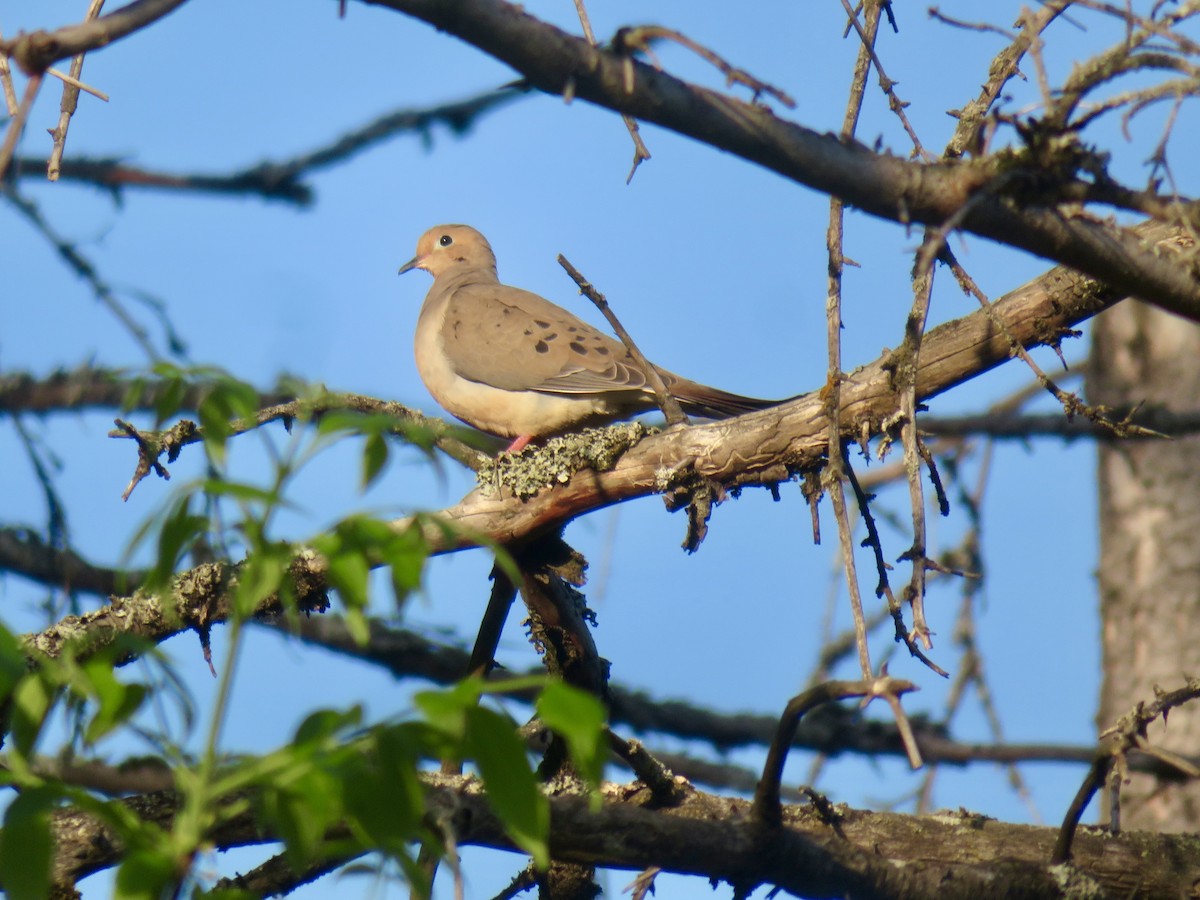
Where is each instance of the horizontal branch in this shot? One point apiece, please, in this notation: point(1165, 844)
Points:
point(91, 388)
point(828, 852)
point(1017, 426)
point(990, 197)
point(198, 599)
point(280, 179)
point(831, 730)
point(23, 552)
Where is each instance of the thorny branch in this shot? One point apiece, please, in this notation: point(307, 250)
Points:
point(767, 808)
point(70, 99)
point(641, 152)
point(409, 424)
point(1129, 733)
point(282, 179)
point(878, 184)
point(833, 476)
point(817, 851)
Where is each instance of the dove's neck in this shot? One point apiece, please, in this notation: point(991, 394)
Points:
point(461, 276)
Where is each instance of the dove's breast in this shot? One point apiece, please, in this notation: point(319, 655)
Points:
point(509, 414)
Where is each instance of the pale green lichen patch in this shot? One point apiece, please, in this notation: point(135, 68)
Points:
point(535, 468)
point(1074, 884)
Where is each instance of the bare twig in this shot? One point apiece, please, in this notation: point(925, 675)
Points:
point(1128, 733)
point(666, 402)
point(282, 179)
point(1071, 403)
point(186, 432)
point(887, 85)
point(151, 446)
point(666, 788)
point(6, 85)
point(972, 132)
point(908, 362)
point(834, 475)
point(76, 83)
point(767, 808)
point(883, 588)
point(70, 99)
point(640, 37)
point(640, 152)
point(84, 268)
point(17, 124)
point(37, 51)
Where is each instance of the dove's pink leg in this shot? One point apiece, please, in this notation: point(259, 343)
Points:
point(519, 444)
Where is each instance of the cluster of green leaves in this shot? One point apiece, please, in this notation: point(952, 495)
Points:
point(341, 786)
point(29, 694)
point(337, 789)
point(351, 547)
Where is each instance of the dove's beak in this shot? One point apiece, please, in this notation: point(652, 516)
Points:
point(414, 263)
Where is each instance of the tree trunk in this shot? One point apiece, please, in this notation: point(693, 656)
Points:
point(1149, 545)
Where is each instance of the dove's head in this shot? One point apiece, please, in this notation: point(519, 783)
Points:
point(445, 248)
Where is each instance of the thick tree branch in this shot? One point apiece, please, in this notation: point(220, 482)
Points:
point(23, 552)
point(773, 445)
point(198, 599)
point(854, 854)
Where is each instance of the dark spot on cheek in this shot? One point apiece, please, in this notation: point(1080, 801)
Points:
point(578, 348)
point(541, 347)
point(603, 351)
point(541, 324)
point(549, 337)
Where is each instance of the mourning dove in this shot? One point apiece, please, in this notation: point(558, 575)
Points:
point(513, 364)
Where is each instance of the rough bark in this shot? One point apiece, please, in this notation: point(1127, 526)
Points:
point(838, 852)
point(1149, 546)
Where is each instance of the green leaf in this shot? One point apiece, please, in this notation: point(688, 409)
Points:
point(261, 576)
point(325, 723)
point(375, 457)
point(384, 798)
point(406, 553)
point(171, 391)
point(145, 874)
point(13, 664)
point(116, 701)
point(26, 845)
point(446, 710)
point(512, 788)
point(228, 400)
point(249, 493)
point(179, 530)
point(349, 572)
point(580, 718)
point(31, 702)
point(345, 421)
point(302, 811)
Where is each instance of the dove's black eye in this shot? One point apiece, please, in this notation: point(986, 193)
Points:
point(445, 240)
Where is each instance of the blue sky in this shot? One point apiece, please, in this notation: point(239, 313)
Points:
point(717, 268)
